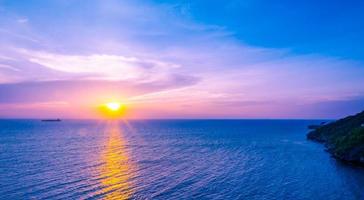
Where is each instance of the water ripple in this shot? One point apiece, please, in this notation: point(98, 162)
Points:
point(171, 159)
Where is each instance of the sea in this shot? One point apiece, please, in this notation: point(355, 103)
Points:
point(170, 159)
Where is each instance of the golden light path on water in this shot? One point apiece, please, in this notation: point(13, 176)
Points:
point(117, 170)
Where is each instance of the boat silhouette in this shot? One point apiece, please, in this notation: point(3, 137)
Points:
point(51, 120)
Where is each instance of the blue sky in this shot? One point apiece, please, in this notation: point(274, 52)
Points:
point(182, 59)
point(328, 27)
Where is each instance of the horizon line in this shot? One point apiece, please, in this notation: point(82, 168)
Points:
point(100, 119)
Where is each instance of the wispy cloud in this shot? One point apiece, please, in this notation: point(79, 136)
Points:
point(104, 66)
point(22, 20)
point(8, 67)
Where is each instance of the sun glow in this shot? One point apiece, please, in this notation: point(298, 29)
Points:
point(112, 110)
point(113, 106)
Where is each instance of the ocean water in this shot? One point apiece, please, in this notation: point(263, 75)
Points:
point(170, 159)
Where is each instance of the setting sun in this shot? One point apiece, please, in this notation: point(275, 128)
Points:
point(113, 106)
point(113, 109)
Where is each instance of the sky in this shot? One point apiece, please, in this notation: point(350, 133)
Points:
point(182, 59)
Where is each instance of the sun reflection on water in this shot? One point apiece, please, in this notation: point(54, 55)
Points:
point(117, 170)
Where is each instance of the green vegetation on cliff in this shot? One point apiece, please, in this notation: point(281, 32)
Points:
point(344, 138)
point(347, 142)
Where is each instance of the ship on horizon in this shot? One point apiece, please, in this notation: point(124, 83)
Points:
point(51, 120)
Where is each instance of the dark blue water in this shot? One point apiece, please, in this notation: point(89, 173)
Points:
point(170, 159)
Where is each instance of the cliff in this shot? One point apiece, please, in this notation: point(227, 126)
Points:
point(343, 138)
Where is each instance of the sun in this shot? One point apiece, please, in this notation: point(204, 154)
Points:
point(113, 110)
point(113, 106)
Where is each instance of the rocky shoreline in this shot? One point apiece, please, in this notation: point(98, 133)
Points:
point(343, 138)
